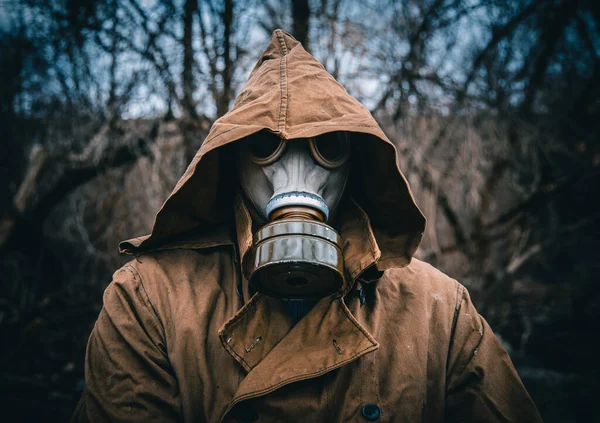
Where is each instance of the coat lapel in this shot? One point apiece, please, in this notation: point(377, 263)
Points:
point(255, 330)
point(263, 339)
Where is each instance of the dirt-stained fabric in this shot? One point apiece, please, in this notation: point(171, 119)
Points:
point(182, 338)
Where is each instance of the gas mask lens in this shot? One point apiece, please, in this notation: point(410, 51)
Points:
point(329, 150)
point(265, 148)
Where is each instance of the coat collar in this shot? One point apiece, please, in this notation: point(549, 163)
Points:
point(275, 352)
point(262, 336)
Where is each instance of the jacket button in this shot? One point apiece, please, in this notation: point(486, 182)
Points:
point(371, 412)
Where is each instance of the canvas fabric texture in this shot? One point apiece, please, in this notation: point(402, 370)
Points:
point(181, 337)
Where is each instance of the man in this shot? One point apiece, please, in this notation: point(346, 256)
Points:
point(278, 282)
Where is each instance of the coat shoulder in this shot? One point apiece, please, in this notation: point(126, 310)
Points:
point(168, 273)
point(423, 279)
point(162, 265)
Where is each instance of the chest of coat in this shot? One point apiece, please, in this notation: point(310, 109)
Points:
point(400, 380)
point(394, 393)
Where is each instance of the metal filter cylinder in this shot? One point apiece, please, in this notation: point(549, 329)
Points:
point(297, 258)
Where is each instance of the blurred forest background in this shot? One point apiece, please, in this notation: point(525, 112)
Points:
point(494, 106)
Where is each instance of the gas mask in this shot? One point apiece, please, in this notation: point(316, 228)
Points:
point(293, 188)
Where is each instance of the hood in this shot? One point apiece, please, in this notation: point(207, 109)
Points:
point(289, 93)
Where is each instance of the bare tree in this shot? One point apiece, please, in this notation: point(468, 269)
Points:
point(300, 21)
point(216, 29)
point(187, 74)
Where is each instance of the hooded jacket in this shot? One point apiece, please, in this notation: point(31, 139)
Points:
point(182, 338)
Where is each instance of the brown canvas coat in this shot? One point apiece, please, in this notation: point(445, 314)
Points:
point(182, 338)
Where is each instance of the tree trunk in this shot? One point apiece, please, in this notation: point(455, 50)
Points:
point(227, 74)
point(187, 74)
point(301, 18)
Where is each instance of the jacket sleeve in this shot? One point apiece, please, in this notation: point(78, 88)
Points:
point(127, 371)
point(482, 384)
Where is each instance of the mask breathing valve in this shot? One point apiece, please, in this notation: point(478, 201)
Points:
point(297, 255)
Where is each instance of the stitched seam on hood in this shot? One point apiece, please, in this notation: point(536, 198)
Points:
point(282, 44)
point(283, 87)
point(281, 121)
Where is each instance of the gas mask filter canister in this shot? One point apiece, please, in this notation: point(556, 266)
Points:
point(293, 188)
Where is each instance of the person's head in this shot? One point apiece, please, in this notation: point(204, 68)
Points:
point(292, 124)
